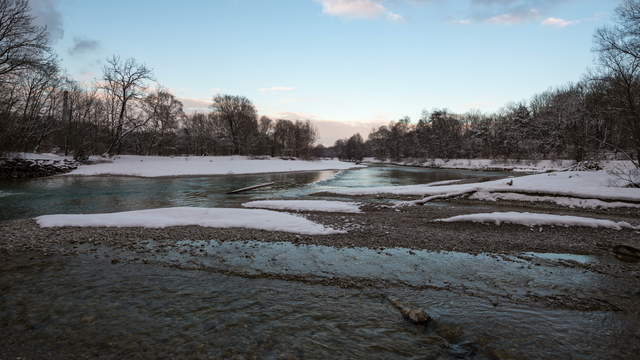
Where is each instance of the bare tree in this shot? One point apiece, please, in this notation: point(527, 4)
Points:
point(124, 83)
point(22, 44)
point(165, 113)
point(238, 116)
point(618, 48)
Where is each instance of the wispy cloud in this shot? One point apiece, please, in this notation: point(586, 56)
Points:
point(358, 9)
point(82, 46)
point(510, 12)
point(557, 22)
point(277, 89)
point(514, 17)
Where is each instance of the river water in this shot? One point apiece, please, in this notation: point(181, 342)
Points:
point(249, 299)
point(71, 194)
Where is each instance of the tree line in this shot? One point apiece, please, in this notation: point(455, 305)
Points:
point(595, 117)
point(125, 111)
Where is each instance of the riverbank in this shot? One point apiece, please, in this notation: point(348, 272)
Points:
point(164, 166)
point(175, 166)
point(17, 168)
point(515, 165)
point(378, 227)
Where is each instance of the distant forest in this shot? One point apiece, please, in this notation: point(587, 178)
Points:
point(598, 116)
point(125, 111)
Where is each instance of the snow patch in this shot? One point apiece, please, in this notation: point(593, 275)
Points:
point(558, 200)
point(599, 185)
point(184, 216)
point(306, 205)
point(533, 219)
point(495, 164)
point(397, 190)
point(156, 166)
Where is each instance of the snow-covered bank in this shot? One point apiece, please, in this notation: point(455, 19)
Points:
point(155, 166)
point(597, 185)
point(496, 164)
point(557, 200)
point(535, 219)
point(184, 216)
point(15, 167)
point(39, 156)
point(306, 205)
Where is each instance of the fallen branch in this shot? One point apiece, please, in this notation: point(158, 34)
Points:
point(250, 188)
point(436, 197)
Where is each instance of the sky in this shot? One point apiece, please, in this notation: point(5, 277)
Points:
point(347, 65)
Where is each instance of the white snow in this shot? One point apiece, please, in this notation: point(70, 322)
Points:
point(306, 205)
point(582, 184)
point(497, 164)
point(155, 166)
point(396, 190)
point(558, 200)
point(183, 216)
point(39, 156)
point(533, 219)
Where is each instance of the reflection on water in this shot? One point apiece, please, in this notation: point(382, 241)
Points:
point(66, 194)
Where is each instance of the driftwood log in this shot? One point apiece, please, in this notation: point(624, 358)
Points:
point(250, 188)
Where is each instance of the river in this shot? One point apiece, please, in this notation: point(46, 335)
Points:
point(251, 299)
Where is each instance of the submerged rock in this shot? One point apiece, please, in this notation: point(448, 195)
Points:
point(417, 316)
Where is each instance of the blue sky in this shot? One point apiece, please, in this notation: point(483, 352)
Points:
point(347, 64)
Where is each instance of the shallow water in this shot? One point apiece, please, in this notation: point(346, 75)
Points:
point(71, 194)
point(86, 306)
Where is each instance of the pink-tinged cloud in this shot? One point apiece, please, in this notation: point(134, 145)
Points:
point(514, 18)
point(557, 22)
point(331, 130)
point(362, 9)
point(193, 105)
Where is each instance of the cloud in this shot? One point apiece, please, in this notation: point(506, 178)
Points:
point(509, 12)
point(192, 105)
point(331, 130)
point(557, 22)
point(358, 9)
point(277, 89)
point(514, 17)
point(46, 13)
point(83, 46)
point(462, 21)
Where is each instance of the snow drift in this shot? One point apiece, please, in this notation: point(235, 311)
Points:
point(534, 219)
point(155, 166)
point(183, 216)
point(306, 205)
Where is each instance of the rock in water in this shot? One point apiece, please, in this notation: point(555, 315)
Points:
point(417, 316)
